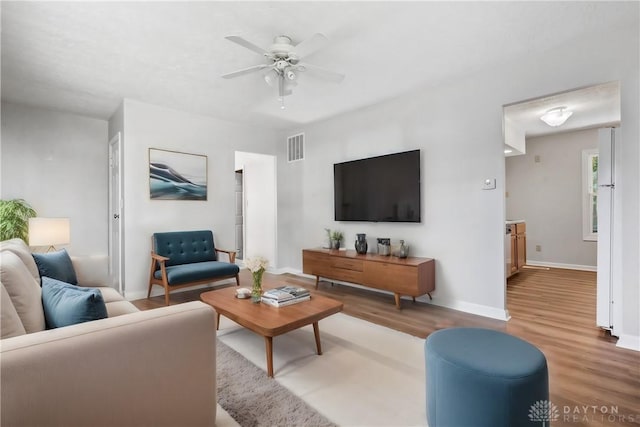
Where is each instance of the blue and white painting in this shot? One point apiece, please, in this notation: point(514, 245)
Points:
point(177, 176)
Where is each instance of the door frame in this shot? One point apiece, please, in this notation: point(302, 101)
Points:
point(116, 210)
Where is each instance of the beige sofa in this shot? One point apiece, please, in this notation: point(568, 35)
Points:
point(135, 368)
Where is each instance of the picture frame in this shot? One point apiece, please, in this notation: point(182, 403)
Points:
point(174, 175)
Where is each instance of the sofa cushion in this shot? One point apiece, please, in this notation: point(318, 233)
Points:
point(56, 265)
point(108, 294)
point(9, 319)
point(20, 248)
point(66, 304)
point(118, 308)
point(24, 291)
point(178, 274)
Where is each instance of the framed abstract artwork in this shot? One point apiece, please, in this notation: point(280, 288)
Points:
point(177, 176)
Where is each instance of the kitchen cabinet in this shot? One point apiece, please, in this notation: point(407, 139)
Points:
point(518, 246)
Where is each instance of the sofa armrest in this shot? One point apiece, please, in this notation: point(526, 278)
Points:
point(151, 368)
point(91, 270)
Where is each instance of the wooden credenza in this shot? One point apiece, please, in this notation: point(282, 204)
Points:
point(410, 276)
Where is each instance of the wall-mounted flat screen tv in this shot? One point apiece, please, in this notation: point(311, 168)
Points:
point(378, 189)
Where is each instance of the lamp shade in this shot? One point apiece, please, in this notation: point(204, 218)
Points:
point(49, 231)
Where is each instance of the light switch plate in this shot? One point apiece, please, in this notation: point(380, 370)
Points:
point(489, 184)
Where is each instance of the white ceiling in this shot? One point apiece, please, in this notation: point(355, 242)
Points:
point(85, 57)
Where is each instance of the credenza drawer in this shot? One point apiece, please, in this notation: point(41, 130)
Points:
point(346, 264)
point(345, 275)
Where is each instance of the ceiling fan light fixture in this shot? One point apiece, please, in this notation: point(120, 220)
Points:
point(556, 116)
point(271, 77)
point(291, 75)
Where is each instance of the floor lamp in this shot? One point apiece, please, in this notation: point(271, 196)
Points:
point(49, 232)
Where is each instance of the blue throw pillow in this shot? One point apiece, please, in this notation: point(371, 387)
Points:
point(65, 304)
point(56, 265)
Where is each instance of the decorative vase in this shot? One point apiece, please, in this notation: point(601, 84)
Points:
point(256, 290)
point(335, 244)
point(403, 251)
point(361, 243)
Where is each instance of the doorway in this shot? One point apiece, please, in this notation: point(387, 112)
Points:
point(545, 182)
point(258, 205)
point(116, 215)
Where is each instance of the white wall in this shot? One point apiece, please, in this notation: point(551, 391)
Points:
point(147, 126)
point(458, 127)
point(58, 163)
point(548, 195)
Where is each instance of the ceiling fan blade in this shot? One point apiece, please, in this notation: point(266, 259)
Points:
point(310, 45)
point(245, 43)
point(323, 73)
point(244, 71)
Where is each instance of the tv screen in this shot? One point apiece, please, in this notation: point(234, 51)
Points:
point(378, 189)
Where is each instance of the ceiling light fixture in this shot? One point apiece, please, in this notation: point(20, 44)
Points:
point(556, 116)
point(271, 77)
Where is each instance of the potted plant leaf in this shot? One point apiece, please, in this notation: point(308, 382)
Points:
point(336, 238)
point(14, 219)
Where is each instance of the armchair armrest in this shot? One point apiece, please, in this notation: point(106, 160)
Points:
point(232, 254)
point(153, 368)
point(159, 258)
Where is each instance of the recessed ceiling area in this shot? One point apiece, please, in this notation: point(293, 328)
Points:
point(593, 106)
point(86, 57)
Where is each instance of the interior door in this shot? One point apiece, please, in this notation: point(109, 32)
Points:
point(116, 210)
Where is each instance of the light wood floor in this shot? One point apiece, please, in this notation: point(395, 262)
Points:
point(553, 309)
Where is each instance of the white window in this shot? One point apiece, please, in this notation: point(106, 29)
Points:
point(590, 194)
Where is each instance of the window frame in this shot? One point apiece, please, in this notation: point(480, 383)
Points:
point(589, 190)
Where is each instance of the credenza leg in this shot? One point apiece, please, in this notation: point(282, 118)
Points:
point(317, 281)
point(397, 296)
point(414, 299)
point(430, 299)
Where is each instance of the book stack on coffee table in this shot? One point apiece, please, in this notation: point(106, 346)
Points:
point(285, 295)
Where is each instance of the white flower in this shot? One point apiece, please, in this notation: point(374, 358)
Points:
point(255, 264)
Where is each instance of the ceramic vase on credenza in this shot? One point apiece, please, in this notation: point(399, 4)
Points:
point(361, 243)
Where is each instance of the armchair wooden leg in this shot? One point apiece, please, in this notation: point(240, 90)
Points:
point(149, 292)
point(166, 295)
point(237, 280)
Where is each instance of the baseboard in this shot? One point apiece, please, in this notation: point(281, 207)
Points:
point(631, 342)
point(477, 309)
point(471, 308)
point(561, 265)
point(159, 291)
point(289, 270)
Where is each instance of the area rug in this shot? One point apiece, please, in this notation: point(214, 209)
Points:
point(252, 399)
point(368, 375)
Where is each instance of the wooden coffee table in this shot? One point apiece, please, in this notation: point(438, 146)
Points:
point(271, 321)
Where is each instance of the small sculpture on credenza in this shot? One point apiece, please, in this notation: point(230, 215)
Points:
point(403, 250)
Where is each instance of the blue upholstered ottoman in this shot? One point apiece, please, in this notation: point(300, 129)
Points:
point(481, 377)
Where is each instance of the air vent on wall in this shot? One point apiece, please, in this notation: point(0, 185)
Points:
point(295, 147)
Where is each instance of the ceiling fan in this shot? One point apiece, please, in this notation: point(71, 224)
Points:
point(283, 62)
